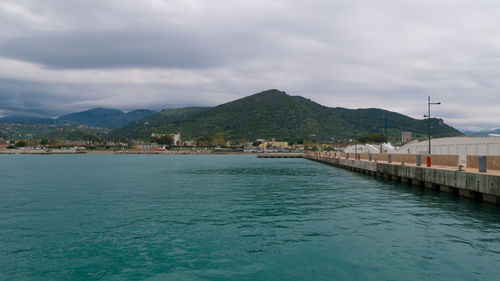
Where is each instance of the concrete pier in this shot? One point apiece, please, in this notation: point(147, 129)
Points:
point(480, 186)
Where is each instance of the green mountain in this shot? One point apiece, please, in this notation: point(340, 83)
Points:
point(68, 133)
point(157, 123)
point(274, 114)
point(104, 118)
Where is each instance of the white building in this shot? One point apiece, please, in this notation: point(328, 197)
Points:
point(461, 146)
point(406, 137)
point(175, 137)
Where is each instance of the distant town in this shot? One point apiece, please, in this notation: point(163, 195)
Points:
point(175, 143)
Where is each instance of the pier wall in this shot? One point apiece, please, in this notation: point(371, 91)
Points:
point(473, 185)
point(436, 159)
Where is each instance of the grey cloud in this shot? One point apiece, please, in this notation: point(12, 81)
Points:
point(390, 54)
point(19, 97)
point(109, 49)
point(138, 48)
point(43, 99)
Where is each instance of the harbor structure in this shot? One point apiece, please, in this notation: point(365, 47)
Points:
point(472, 184)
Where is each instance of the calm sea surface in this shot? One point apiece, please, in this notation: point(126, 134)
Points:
point(181, 217)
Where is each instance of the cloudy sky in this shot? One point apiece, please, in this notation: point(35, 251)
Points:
point(60, 56)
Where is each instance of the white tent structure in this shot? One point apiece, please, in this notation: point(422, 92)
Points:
point(461, 146)
point(370, 148)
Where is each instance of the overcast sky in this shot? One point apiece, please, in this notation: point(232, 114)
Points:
point(61, 56)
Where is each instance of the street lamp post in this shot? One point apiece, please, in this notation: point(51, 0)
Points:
point(429, 103)
point(356, 149)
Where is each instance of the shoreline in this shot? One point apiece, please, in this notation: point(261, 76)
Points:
point(64, 151)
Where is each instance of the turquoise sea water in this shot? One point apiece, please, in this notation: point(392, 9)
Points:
point(209, 217)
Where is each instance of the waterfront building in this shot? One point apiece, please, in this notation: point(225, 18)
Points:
point(406, 137)
point(274, 144)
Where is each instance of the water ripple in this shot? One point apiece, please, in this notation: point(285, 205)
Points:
point(232, 218)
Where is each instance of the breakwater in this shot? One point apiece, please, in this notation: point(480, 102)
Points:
point(480, 186)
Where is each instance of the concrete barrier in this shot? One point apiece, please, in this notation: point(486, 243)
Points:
point(492, 162)
point(436, 159)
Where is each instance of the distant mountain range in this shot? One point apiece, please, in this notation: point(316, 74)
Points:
point(27, 119)
point(274, 114)
point(269, 114)
point(482, 133)
point(105, 118)
point(97, 117)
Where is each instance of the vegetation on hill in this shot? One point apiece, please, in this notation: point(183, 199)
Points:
point(164, 140)
point(104, 118)
point(68, 133)
point(373, 138)
point(274, 114)
point(161, 122)
point(32, 131)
